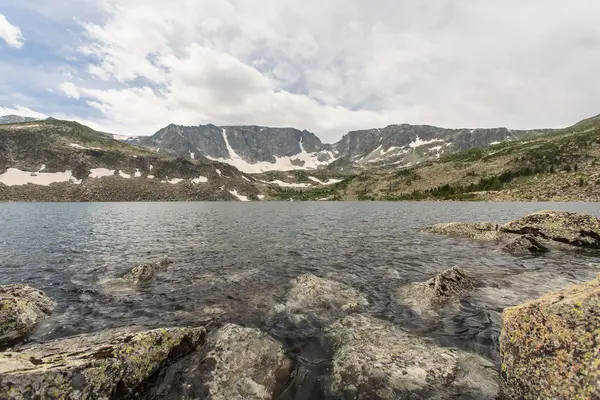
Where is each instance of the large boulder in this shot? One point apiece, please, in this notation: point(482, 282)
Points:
point(550, 347)
point(374, 359)
point(570, 228)
point(473, 230)
point(320, 299)
point(142, 274)
point(525, 245)
point(235, 363)
point(108, 365)
point(426, 297)
point(21, 309)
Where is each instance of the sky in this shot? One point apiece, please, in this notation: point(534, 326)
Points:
point(134, 66)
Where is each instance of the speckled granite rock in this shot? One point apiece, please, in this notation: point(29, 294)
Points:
point(106, 365)
point(21, 308)
point(550, 347)
point(525, 245)
point(374, 359)
point(320, 298)
point(579, 230)
point(235, 363)
point(145, 273)
point(473, 230)
point(426, 297)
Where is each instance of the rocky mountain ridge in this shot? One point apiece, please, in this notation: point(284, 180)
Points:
point(559, 166)
point(256, 149)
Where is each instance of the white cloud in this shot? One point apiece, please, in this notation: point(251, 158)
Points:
point(10, 33)
point(69, 89)
point(22, 111)
point(339, 65)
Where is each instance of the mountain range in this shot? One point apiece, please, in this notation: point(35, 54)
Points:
point(53, 160)
point(255, 149)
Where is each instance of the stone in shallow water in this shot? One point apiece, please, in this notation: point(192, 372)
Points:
point(105, 365)
point(235, 363)
point(145, 273)
point(319, 298)
point(525, 245)
point(579, 230)
point(550, 347)
point(21, 308)
point(426, 297)
point(374, 359)
point(473, 230)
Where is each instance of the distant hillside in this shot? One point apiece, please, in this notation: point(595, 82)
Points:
point(563, 165)
point(15, 119)
point(55, 160)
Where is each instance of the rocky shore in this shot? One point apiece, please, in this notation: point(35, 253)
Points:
point(549, 347)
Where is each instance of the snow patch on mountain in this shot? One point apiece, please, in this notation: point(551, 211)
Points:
point(302, 160)
point(16, 177)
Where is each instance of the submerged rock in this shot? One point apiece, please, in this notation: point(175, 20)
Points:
point(21, 309)
point(235, 363)
point(426, 297)
point(579, 230)
point(319, 298)
point(473, 230)
point(145, 273)
point(375, 360)
point(525, 245)
point(550, 347)
point(110, 364)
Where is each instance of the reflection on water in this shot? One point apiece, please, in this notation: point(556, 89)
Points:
point(234, 261)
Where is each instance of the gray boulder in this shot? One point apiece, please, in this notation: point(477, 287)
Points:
point(21, 309)
point(145, 273)
point(525, 245)
point(108, 365)
point(375, 360)
point(425, 298)
point(574, 229)
point(320, 299)
point(473, 230)
point(235, 363)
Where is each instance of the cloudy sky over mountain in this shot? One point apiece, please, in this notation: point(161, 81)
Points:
point(133, 66)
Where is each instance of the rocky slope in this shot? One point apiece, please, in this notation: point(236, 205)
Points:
point(559, 166)
point(255, 149)
point(55, 160)
point(251, 149)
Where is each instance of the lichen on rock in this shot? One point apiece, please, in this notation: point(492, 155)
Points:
point(109, 364)
point(145, 273)
point(425, 298)
point(320, 299)
point(575, 229)
point(473, 230)
point(21, 309)
point(525, 245)
point(550, 347)
point(376, 360)
point(235, 363)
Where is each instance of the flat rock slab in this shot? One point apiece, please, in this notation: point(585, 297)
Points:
point(21, 309)
point(107, 365)
point(374, 359)
point(550, 347)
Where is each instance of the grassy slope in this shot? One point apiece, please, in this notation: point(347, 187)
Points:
point(564, 165)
